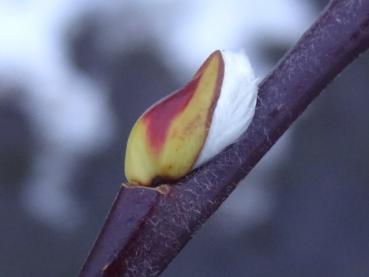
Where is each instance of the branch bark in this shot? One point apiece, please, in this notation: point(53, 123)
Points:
point(145, 230)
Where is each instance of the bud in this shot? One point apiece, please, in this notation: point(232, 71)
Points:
point(193, 124)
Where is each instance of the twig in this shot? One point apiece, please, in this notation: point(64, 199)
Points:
point(145, 230)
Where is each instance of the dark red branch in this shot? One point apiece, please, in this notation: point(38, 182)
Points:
point(145, 230)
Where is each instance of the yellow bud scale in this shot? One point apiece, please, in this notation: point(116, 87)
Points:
point(193, 124)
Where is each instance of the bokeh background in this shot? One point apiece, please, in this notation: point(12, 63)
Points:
point(74, 76)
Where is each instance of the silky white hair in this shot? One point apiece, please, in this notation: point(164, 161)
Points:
point(235, 107)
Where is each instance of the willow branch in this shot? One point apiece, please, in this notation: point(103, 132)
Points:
point(145, 230)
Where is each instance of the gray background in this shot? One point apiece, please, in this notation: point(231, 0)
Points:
point(74, 76)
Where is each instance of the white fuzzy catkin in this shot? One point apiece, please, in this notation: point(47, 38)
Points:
point(235, 107)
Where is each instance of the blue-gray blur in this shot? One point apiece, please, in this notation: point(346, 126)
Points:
point(74, 76)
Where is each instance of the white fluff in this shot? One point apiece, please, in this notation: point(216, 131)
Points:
point(235, 107)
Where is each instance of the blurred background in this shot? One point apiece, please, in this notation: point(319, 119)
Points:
point(74, 76)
